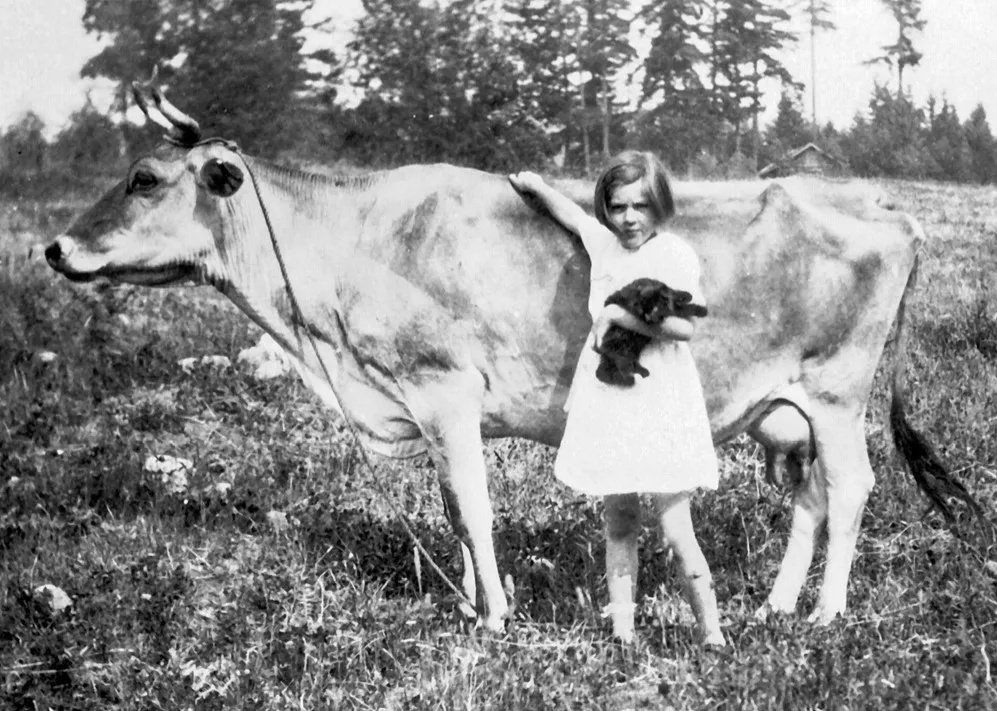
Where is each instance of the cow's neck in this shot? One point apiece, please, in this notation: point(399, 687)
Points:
point(312, 218)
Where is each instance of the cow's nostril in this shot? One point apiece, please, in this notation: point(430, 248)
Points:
point(53, 253)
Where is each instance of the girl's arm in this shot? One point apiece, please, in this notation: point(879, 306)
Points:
point(675, 263)
point(675, 328)
point(562, 208)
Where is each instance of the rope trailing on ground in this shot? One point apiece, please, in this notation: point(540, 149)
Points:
point(296, 309)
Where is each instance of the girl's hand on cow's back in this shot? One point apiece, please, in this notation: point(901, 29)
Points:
point(527, 181)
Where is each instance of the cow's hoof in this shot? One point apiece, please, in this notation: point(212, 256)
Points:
point(714, 640)
point(772, 608)
point(495, 625)
point(622, 615)
point(823, 617)
point(469, 614)
point(496, 622)
point(624, 634)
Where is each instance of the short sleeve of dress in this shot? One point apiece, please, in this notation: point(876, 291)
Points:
point(597, 240)
point(604, 252)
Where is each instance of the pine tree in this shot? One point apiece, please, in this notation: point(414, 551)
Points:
point(440, 84)
point(892, 142)
point(674, 116)
point(749, 34)
point(603, 51)
point(902, 53)
point(789, 130)
point(23, 146)
point(244, 74)
point(947, 146)
point(818, 13)
point(542, 41)
point(982, 147)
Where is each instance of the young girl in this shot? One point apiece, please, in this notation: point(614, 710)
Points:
point(653, 436)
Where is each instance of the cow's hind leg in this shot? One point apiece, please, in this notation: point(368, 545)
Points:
point(809, 516)
point(786, 434)
point(449, 415)
point(844, 462)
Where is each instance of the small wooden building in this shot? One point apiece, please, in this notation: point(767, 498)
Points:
point(811, 159)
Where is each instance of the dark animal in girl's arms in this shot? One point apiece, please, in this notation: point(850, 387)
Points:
point(651, 301)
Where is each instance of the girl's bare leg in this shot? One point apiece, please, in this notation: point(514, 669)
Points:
point(676, 527)
point(621, 514)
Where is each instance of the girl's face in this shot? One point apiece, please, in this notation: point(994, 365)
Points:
point(630, 214)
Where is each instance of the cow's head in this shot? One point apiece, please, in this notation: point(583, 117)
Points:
point(157, 226)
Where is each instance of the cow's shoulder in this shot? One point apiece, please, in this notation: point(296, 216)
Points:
point(451, 250)
point(440, 224)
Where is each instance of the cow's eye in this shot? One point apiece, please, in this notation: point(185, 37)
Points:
point(141, 181)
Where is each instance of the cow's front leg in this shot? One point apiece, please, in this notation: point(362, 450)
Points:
point(449, 414)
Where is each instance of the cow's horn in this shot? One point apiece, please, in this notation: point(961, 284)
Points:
point(188, 128)
point(182, 129)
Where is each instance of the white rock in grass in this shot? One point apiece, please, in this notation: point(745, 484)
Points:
point(164, 463)
point(176, 481)
point(268, 370)
point(209, 361)
point(220, 489)
point(278, 521)
point(54, 597)
point(45, 356)
point(216, 361)
point(172, 471)
point(266, 359)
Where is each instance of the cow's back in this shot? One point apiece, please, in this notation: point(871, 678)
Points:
point(792, 272)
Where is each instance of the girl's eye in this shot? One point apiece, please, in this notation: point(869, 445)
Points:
point(142, 180)
point(639, 206)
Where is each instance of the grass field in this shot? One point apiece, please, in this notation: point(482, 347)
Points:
point(276, 576)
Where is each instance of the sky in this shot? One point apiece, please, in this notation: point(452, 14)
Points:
point(43, 46)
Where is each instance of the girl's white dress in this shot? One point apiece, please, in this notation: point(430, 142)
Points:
point(654, 436)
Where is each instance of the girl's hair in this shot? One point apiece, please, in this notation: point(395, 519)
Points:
point(629, 167)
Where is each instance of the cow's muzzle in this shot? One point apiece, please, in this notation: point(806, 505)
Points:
point(53, 254)
point(57, 253)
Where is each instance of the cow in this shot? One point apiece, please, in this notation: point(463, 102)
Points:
point(433, 307)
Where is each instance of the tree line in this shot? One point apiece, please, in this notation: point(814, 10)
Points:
point(503, 85)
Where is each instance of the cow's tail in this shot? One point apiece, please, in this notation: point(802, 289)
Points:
point(922, 461)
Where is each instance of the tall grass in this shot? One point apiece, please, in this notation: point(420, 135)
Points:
point(277, 576)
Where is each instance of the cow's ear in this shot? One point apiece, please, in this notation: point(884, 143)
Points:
point(221, 178)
